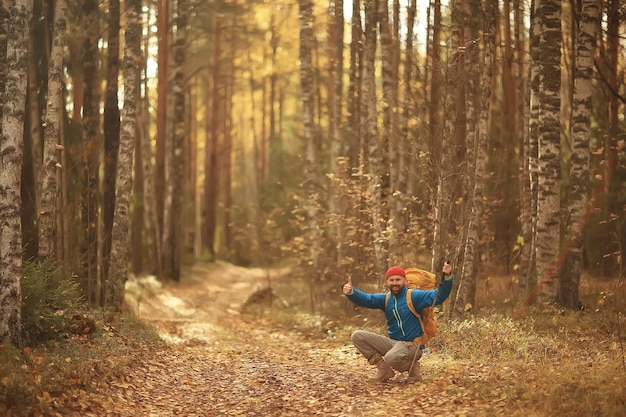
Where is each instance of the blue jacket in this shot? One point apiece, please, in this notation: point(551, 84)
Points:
point(401, 323)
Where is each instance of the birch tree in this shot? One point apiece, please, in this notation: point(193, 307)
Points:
point(114, 295)
point(549, 138)
point(11, 151)
point(528, 264)
point(579, 168)
point(47, 211)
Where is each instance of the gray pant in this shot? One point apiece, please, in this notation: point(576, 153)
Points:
point(398, 354)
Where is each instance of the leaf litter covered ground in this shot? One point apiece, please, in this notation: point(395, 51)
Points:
point(219, 362)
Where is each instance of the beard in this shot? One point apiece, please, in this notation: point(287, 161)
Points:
point(396, 289)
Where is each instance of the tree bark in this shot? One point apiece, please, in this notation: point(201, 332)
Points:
point(373, 147)
point(49, 194)
point(111, 135)
point(121, 222)
point(91, 152)
point(437, 68)
point(308, 117)
point(579, 168)
point(466, 288)
point(354, 88)
point(452, 179)
point(11, 149)
point(212, 177)
point(549, 130)
point(164, 30)
point(175, 167)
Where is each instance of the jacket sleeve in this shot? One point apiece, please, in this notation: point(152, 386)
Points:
point(423, 299)
point(363, 299)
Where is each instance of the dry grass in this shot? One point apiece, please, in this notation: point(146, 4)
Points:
point(526, 360)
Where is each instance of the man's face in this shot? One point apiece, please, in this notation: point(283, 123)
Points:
point(396, 283)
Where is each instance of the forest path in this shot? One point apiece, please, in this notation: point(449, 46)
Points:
point(219, 362)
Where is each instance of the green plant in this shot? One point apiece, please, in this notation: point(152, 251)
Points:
point(49, 307)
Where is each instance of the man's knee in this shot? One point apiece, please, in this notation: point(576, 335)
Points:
point(399, 358)
point(396, 362)
point(358, 336)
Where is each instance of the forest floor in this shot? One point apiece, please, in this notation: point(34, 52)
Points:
point(223, 357)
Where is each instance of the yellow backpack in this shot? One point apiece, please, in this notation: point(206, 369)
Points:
point(422, 280)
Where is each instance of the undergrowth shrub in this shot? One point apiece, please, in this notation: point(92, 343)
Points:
point(48, 307)
point(67, 347)
point(45, 379)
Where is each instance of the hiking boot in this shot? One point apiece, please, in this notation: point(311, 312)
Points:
point(414, 371)
point(385, 372)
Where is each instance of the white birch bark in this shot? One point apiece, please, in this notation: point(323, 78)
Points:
point(49, 192)
point(579, 168)
point(118, 270)
point(549, 130)
point(11, 160)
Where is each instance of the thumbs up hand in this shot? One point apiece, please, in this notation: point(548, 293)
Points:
point(347, 288)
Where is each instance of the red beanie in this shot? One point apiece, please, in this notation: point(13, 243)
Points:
point(395, 270)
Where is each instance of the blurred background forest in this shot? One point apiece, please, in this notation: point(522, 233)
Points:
point(337, 138)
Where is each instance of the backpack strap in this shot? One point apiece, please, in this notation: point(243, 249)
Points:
point(409, 303)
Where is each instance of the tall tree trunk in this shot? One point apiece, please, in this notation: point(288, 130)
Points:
point(612, 183)
point(164, 30)
point(111, 130)
point(466, 289)
point(532, 152)
point(579, 168)
point(405, 154)
point(11, 149)
point(548, 203)
point(505, 214)
point(451, 176)
point(151, 223)
point(354, 88)
point(308, 117)
point(91, 151)
point(525, 238)
point(373, 147)
point(228, 145)
point(211, 178)
point(32, 170)
point(390, 152)
point(436, 63)
point(121, 221)
point(139, 209)
point(175, 168)
point(52, 142)
point(338, 146)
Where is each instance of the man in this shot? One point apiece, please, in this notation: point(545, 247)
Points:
point(400, 350)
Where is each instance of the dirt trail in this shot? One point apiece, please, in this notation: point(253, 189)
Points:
point(219, 362)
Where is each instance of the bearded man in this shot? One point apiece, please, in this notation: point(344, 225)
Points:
point(401, 349)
